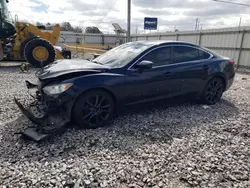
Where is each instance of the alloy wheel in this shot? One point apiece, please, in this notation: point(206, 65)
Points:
point(214, 90)
point(96, 109)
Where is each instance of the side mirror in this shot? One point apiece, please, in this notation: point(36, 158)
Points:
point(144, 65)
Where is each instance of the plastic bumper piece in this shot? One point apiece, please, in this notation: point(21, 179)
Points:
point(47, 122)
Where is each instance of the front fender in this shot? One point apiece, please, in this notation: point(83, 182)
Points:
point(111, 82)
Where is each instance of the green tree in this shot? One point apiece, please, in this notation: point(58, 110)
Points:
point(39, 23)
point(66, 26)
point(93, 29)
point(77, 29)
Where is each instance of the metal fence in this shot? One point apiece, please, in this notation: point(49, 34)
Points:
point(99, 39)
point(230, 42)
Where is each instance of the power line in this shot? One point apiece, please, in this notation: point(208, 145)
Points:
point(96, 3)
point(230, 2)
point(94, 9)
point(113, 3)
point(91, 19)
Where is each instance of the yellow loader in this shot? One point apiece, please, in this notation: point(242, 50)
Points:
point(24, 41)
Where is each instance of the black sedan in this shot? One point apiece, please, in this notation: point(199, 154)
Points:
point(90, 92)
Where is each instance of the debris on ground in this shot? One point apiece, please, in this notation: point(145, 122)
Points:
point(205, 106)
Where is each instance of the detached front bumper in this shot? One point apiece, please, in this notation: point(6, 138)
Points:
point(48, 120)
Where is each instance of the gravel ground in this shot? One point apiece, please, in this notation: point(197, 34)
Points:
point(186, 145)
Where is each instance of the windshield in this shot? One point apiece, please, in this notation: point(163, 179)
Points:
point(122, 55)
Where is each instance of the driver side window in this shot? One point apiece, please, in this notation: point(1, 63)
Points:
point(160, 56)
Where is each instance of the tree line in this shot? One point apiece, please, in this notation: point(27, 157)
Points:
point(66, 26)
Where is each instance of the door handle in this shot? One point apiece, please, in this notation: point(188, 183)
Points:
point(206, 67)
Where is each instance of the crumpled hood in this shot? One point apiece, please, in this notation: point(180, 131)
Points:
point(63, 67)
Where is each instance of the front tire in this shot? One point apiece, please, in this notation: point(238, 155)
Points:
point(213, 91)
point(23, 44)
point(94, 109)
point(39, 52)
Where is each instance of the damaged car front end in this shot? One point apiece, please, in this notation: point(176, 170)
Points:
point(54, 98)
point(50, 111)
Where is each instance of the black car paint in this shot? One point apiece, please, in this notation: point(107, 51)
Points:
point(128, 86)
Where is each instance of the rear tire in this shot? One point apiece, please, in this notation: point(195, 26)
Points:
point(213, 91)
point(30, 50)
point(94, 109)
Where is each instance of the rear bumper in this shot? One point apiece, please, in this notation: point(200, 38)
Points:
point(229, 83)
point(48, 118)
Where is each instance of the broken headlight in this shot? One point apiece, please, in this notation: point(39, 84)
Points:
point(56, 89)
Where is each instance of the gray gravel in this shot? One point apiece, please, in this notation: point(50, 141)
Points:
point(187, 145)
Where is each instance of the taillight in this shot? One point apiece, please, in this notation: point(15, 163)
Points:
point(232, 62)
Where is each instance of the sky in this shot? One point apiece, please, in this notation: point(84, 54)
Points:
point(171, 14)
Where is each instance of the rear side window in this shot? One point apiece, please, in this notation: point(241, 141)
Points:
point(185, 54)
point(204, 55)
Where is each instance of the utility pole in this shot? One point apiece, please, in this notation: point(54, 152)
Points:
point(240, 22)
point(196, 23)
point(129, 21)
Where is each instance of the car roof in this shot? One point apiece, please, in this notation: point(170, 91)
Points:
point(165, 42)
point(154, 43)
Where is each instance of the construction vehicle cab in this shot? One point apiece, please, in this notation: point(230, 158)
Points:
point(7, 27)
point(25, 41)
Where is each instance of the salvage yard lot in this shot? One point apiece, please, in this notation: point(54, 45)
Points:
point(162, 146)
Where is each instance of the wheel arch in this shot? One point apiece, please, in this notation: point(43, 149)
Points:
point(95, 89)
point(222, 77)
point(103, 89)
